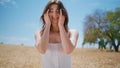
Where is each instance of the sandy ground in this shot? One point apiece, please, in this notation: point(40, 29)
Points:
point(12, 56)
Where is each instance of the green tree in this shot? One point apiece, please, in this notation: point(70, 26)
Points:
point(1, 42)
point(113, 31)
point(101, 26)
point(94, 27)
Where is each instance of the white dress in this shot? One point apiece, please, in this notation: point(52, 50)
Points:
point(55, 58)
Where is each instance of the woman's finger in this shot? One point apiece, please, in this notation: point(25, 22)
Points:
point(47, 11)
point(60, 11)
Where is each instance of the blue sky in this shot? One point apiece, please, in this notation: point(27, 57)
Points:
point(19, 19)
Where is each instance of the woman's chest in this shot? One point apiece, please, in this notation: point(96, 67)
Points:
point(54, 38)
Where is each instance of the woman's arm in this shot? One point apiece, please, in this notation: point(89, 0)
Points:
point(68, 44)
point(42, 40)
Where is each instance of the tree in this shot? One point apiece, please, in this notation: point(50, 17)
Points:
point(1, 42)
point(94, 27)
point(101, 26)
point(113, 31)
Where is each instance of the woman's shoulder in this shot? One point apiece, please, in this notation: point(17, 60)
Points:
point(73, 31)
point(37, 32)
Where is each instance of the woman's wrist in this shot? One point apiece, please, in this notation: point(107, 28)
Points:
point(61, 26)
point(48, 24)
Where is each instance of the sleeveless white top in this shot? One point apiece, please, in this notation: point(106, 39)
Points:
point(55, 57)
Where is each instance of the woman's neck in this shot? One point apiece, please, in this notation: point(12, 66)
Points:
point(55, 28)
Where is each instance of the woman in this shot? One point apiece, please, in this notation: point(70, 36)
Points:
point(55, 41)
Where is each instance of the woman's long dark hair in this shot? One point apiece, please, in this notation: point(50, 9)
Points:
point(64, 12)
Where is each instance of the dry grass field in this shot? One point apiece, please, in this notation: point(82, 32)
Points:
point(14, 56)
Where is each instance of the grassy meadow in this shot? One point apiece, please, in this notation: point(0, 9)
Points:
point(17, 56)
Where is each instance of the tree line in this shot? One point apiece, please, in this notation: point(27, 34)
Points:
point(103, 28)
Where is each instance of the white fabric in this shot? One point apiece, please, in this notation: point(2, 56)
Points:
point(55, 58)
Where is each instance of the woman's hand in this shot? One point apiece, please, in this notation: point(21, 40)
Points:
point(46, 18)
point(61, 19)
